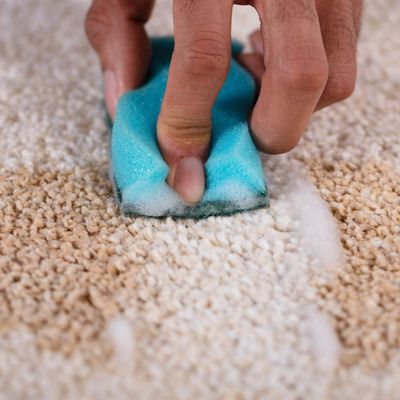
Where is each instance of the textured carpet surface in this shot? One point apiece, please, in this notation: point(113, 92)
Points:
point(297, 301)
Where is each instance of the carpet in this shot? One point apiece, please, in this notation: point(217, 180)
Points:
point(297, 301)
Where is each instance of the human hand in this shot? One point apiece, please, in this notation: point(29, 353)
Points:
point(304, 59)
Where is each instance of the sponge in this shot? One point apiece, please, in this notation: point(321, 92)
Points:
point(234, 176)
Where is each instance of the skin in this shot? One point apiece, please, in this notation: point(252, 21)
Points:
point(303, 59)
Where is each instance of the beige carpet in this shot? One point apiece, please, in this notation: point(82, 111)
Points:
point(297, 301)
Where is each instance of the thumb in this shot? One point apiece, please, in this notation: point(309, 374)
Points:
point(184, 144)
point(199, 66)
point(115, 29)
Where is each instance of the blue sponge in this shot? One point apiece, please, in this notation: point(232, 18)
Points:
point(234, 177)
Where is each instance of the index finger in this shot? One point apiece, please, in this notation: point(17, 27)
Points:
point(199, 65)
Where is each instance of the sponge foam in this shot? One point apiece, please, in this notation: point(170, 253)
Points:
point(234, 177)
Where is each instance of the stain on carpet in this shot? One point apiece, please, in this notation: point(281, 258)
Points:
point(58, 263)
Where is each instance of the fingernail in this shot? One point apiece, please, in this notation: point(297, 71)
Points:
point(189, 179)
point(111, 91)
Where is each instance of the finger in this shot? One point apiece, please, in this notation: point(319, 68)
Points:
point(295, 75)
point(338, 27)
point(358, 9)
point(199, 66)
point(254, 63)
point(257, 42)
point(115, 29)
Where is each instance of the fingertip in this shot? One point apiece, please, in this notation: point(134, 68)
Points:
point(270, 142)
point(189, 179)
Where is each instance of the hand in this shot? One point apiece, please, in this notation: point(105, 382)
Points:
point(304, 59)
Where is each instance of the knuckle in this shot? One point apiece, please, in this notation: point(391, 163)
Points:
point(183, 131)
point(304, 73)
point(296, 9)
point(137, 10)
point(207, 54)
point(97, 23)
point(303, 67)
point(340, 86)
point(103, 14)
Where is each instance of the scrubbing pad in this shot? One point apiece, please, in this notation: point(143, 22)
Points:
point(234, 177)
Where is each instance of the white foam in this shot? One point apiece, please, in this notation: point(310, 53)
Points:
point(325, 343)
point(156, 200)
point(121, 335)
point(316, 224)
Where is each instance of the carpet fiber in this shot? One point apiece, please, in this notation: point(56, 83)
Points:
point(297, 301)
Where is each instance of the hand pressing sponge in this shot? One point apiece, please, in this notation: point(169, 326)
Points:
point(234, 176)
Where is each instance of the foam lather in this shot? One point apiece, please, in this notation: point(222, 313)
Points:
point(234, 177)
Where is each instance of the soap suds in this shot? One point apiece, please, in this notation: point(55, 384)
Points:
point(315, 224)
point(121, 334)
point(325, 344)
point(157, 199)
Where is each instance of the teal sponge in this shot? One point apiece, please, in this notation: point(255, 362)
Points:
point(234, 177)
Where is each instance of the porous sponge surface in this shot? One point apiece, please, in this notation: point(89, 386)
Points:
point(235, 179)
